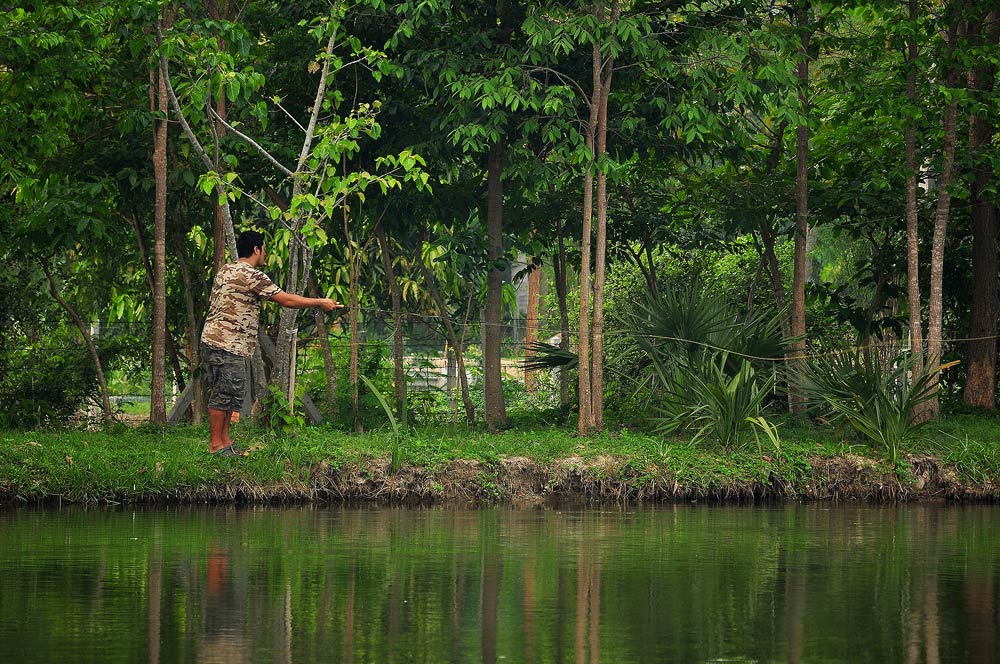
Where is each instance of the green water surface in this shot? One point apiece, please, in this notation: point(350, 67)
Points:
point(679, 583)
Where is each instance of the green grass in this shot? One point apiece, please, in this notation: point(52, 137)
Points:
point(971, 443)
point(147, 463)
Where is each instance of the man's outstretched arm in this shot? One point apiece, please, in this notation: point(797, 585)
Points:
point(293, 301)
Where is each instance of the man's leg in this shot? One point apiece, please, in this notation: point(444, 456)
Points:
point(218, 425)
point(228, 378)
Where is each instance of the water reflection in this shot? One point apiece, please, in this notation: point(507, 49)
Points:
point(666, 584)
point(224, 637)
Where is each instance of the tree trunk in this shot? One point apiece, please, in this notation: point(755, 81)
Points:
point(355, 300)
point(170, 347)
point(559, 267)
point(980, 385)
point(768, 238)
point(531, 318)
point(935, 302)
point(585, 420)
point(220, 13)
point(798, 324)
point(912, 223)
point(299, 253)
point(288, 317)
point(158, 407)
point(495, 409)
point(323, 336)
point(194, 337)
point(399, 372)
point(881, 279)
point(85, 333)
point(654, 283)
point(456, 343)
point(601, 249)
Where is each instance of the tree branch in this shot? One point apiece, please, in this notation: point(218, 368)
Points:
point(317, 104)
point(253, 143)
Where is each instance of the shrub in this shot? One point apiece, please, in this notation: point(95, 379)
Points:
point(42, 388)
point(707, 369)
point(874, 390)
point(727, 409)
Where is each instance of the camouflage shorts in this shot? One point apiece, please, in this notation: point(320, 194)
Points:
point(227, 374)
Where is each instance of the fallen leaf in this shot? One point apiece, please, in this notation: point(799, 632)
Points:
point(32, 443)
point(69, 460)
point(159, 466)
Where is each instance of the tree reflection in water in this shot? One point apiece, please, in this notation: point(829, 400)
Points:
point(674, 583)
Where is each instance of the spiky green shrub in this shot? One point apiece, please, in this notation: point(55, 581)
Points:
point(873, 390)
point(707, 369)
point(717, 406)
point(685, 327)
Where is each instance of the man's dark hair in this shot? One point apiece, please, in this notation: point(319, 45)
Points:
point(247, 241)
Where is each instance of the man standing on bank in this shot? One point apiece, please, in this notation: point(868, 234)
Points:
point(230, 333)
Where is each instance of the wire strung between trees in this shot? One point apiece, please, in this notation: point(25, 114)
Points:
point(785, 357)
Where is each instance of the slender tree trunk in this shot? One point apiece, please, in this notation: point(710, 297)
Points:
point(219, 216)
point(798, 323)
point(559, 267)
point(199, 149)
point(980, 385)
point(601, 248)
point(912, 221)
point(220, 12)
point(323, 336)
point(355, 297)
point(645, 267)
point(654, 284)
point(288, 318)
point(768, 238)
point(531, 319)
point(495, 408)
point(585, 420)
point(397, 322)
point(457, 344)
point(171, 348)
point(881, 279)
point(85, 333)
point(299, 253)
point(194, 336)
point(935, 302)
point(158, 406)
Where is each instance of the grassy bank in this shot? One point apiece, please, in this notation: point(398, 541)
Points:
point(957, 459)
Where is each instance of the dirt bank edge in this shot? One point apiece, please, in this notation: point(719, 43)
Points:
point(522, 481)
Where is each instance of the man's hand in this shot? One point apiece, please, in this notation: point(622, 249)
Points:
point(327, 304)
point(299, 302)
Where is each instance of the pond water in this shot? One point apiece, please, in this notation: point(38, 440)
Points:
point(676, 583)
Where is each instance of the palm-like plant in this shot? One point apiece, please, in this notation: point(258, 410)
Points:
point(875, 391)
point(547, 356)
point(716, 405)
point(708, 365)
point(684, 327)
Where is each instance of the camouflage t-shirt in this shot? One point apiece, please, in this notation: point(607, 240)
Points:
point(234, 308)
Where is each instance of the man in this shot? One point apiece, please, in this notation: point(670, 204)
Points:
point(230, 333)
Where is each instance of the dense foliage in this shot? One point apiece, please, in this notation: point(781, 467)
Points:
point(474, 178)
